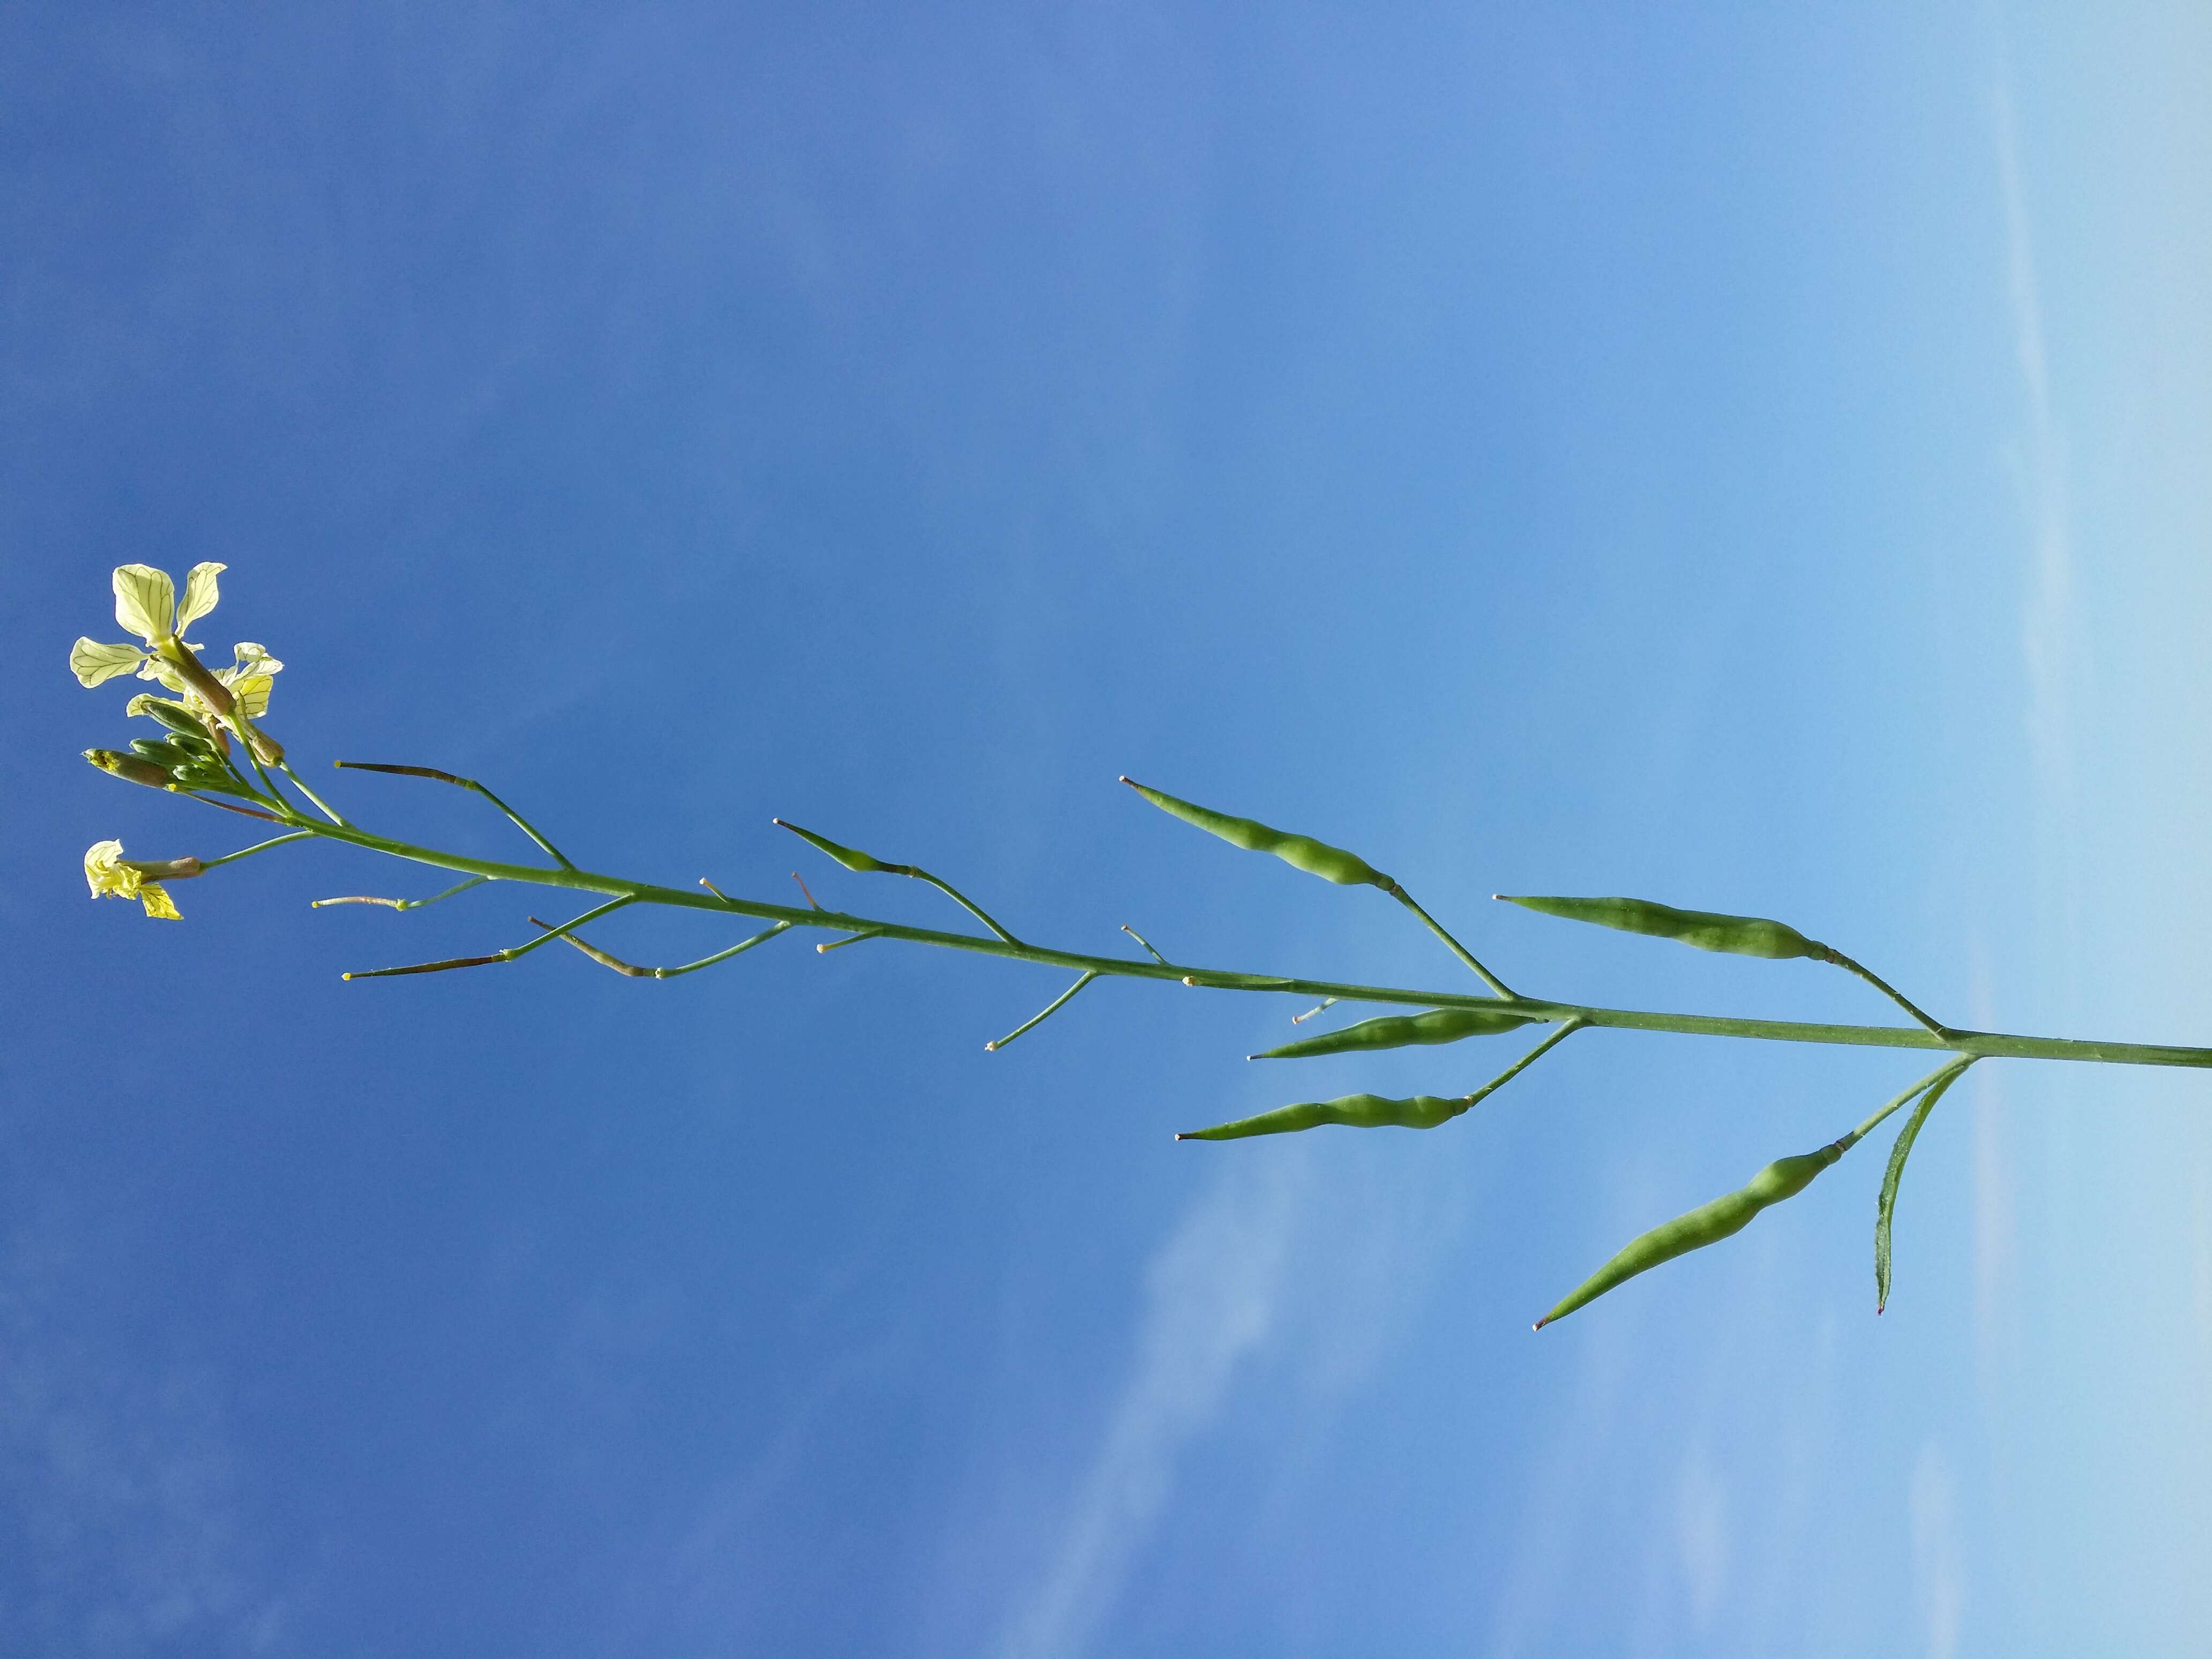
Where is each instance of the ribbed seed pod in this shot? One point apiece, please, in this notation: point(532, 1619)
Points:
point(1709, 930)
point(1356, 1111)
point(1303, 852)
point(1400, 1030)
point(1708, 1224)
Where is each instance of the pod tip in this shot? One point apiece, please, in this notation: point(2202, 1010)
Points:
point(1180, 1135)
point(990, 1047)
point(1126, 778)
point(1541, 1323)
point(778, 823)
point(345, 977)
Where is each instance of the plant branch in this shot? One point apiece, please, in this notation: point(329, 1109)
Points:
point(1980, 1044)
point(512, 817)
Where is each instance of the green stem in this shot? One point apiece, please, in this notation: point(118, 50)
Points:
point(257, 847)
point(1937, 1076)
point(1457, 949)
point(1525, 1060)
point(285, 766)
point(1050, 1009)
point(1991, 1045)
point(1883, 986)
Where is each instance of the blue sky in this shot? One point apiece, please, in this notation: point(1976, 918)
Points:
point(1749, 462)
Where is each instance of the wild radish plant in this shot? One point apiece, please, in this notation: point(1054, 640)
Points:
point(210, 747)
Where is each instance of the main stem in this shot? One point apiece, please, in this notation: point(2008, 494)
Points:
point(1976, 1044)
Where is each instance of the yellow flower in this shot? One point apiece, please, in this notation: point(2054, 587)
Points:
point(111, 875)
point(146, 604)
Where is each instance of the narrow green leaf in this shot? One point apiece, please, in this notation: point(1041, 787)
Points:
point(1708, 1224)
point(1303, 852)
point(1400, 1030)
point(1885, 1207)
point(1359, 1111)
point(1744, 936)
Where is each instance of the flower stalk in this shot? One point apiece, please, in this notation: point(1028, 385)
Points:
point(195, 757)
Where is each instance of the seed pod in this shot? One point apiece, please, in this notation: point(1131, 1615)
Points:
point(131, 769)
point(1743, 936)
point(1708, 1224)
point(851, 857)
point(1400, 1030)
point(1359, 1111)
point(1886, 1207)
point(1315, 858)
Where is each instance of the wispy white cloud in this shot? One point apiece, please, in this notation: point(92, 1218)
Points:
point(1213, 1295)
point(1701, 1537)
point(119, 1511)
point(1932, 1512)
point(2047, 634)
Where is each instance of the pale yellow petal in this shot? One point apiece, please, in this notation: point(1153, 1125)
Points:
point(155, 898)
point(93, 662)
point(200, 593)
point(254, 695)
point(106, 874)
point(145, 601)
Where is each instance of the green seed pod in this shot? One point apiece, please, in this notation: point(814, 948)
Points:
point(192, 744)
point(1886, 1207)
point(1743, 936)
point(1400, 1030)
point(1708, 1224)
point(1315, 858)
point(1359, 1111)
point(131, 769)
point(851, 857)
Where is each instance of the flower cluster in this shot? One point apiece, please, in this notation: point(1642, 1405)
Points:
point(146, 604)
point(193, 753)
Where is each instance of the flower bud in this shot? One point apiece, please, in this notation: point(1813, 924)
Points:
point(211, 691)
point(175, 716)
point(162, 752)
point(181, 869)
point(131, 769)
